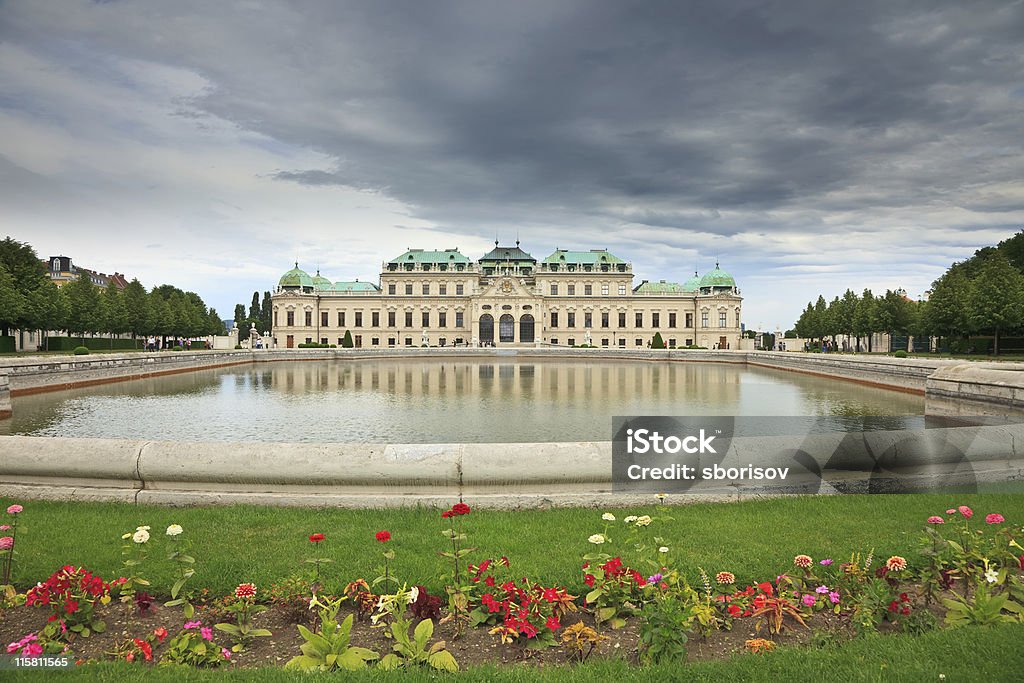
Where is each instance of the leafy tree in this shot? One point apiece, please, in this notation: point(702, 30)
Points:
point(1013, 250)
point(114, 313)
point(346, 341)
point(820, 318)
point(997, 297)
point(214, 323)
point(49, 309)
point(254, 308)
point(657, 342)
point(136, 308)
point(27, 273)
point(84, 307)
point(864, 317)
point(12, 302)
point(266, 313)
point(805, 324)
point(946, 312)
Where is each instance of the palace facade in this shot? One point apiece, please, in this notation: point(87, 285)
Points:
point(507, 298)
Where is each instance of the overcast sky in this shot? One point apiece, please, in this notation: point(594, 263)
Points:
point(810, 146)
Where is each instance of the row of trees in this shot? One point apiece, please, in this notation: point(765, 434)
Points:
point(260, 315)
point(983, 295)
point(29, 300)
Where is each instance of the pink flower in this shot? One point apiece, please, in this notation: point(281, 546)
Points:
point(14, 509)
point(951, 511)
point(935, 519)
point(826, 562)
point(809, 599)
point(245, 590)
point(4, 527)
point(206, 632)
point(225, 653)
point(193, 624)
point(803, 561)
point(821, 589)
point(834, 597)
point(6, 543)
point(12, 647)
point(966, 511)
point(32, 649)
point(994, 518)
point(896, 564)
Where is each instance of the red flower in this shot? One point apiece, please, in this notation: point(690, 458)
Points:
point(589, 578)
point(894, 606)
point(504, 560)
point(994, 518)
point(553, 624)
point(766, 588)
point(446, 514)
point(966, 511)
point(71, 606)
point(489, 581)
point(906, 610)
point(550, 594)
point(245, 590)
point(160, 633)
point(460, 509)
point(383, 536)
point(734, 610)
point(316, 538)
point(147, 649)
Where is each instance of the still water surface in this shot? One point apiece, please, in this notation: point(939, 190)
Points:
point(390, 401)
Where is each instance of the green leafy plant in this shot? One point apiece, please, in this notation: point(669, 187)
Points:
point(133, 554)
point(242, 632)
point(414, 650)
point(666, 623)
point(195, 646)
point(329, 647)
point(81, 351)
point(985, 609)
point(579, 641)
point(185, 569)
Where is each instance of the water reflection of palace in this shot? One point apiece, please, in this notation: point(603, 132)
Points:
point(507, 298)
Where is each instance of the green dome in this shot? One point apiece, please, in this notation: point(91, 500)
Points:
point(321, 282)
point(692, 284)
point(296, 277)
point(717, 278)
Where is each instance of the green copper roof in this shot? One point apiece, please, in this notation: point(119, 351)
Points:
point(717, 278)
point(592, 257)
point(662, 287)
point(321, 282)
point(692, 284)
point(421, 256)
point(296, 277)
point(507, 254)
point(355, 286)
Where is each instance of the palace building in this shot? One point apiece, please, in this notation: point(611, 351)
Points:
point(507, 298)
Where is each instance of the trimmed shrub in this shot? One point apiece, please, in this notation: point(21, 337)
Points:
point(178, 348)
point(900, 354)
point(346, 341)
point(239, 346)
point(7, 344)
point(81, 351)
point(657, 342)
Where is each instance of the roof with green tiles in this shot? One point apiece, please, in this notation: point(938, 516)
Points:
point(663, 287)
point(418, 256)
point(320, 282)
point(592, 257)
point(296, 277)
point(717, 278)
point(692, 284)
point(355, 286)
point(507, 254)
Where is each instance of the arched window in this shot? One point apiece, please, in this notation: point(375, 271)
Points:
point(506, 329)
point(486, 329)
point(526, 329)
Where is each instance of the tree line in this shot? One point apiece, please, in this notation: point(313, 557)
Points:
point(260, 315)
point(981, 296)
point(29, 300)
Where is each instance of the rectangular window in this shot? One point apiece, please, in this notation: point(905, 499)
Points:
point(721, 319)
point(570, 320)
point(571, 341)
point(340, 339)
point(323, 340)
point(554, 289)
point(375, 341)
point(391, 341)
point(604, 341)
point(290, 319)
point(604, 292)
point(459, 320)
point(672, 343)
point(275, 318)
point(622, 290)
point(554, 319)
point(554, 340)
point(689, 342)
point(408, 341)
point(689, 319)
point(426, 288)
point(442, 319)
point(458, 290)
point(588, 290)
point(604, 319)
point(442, 290)
point(639, 341)
point(622, 342)
point(375, 319)
point(359, 319)
point(408, 288)
point(391, 319)
point(704, 319)
point(571, 290)
point(309, 320)
point(426, 318)
point(408, 318)
point(639, 319)
point(391, 289)
point(341, 318)
point(655, 319)
point(622, 319)
point(671, 319)
point(323, 318)
point(309, 340)
point(588, 320)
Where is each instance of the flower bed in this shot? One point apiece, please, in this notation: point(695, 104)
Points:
point(632, 600)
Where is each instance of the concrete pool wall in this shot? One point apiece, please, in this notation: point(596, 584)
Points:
point(497, 475)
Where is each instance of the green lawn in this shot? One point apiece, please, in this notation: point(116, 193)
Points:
point(754, 540)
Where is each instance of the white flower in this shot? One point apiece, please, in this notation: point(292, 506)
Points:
point(141, 536)
point(608, 517)
point(643, 520)
point(125, 537)
point(414, 593)
point(991, 576)
point(663, 549)
point(174, 530)
point(630, 519)
point(596, 539)
point(142, 528)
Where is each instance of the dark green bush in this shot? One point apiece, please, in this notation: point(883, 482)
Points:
point(81, 351)
point(238, 346)
point(900, 354)
point(657, 342)
point(178, 348)
point(346, 341)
